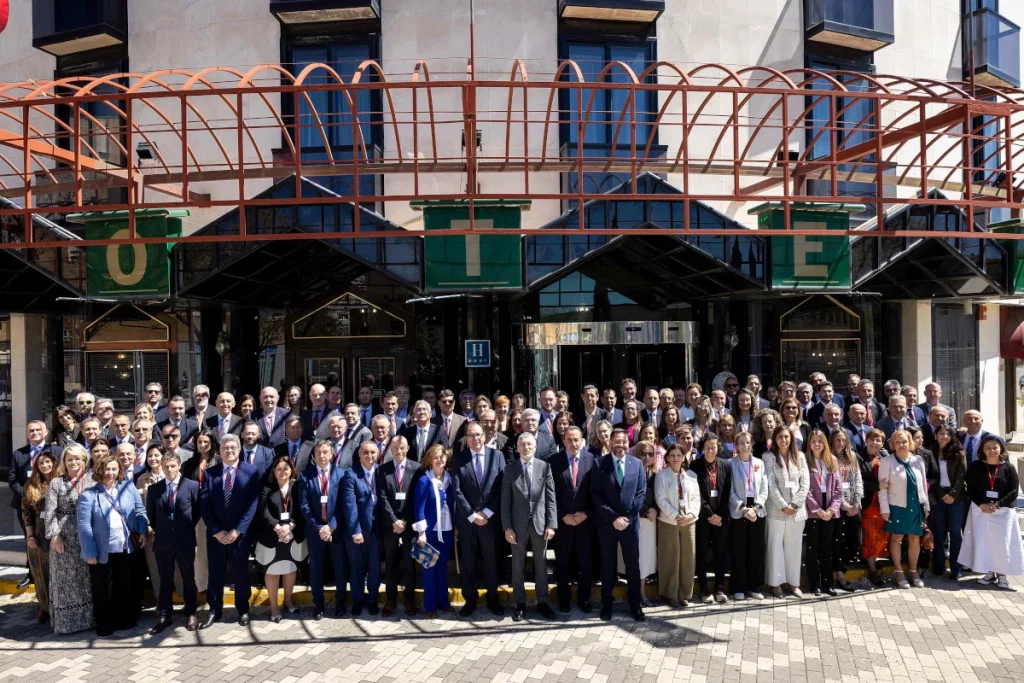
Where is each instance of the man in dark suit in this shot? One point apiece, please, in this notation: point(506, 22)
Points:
point(224, 422)
point(389, 409)
point(971, 435)
point(609, 401)
point(320, 502)
point(453, 424)
point(380, 429)
point(20, 470)
point(651, 413)
point(866, 397)
point(548, 410)
point(546, 448)
point(857, 428)
point(365, 403)
point(254, 453)
point(154, 397)
point(172, 508)
point(937, 417)
point(394, 518)
point(120, 431)
point(849, 392)
point(619, 487)
point(897, 417)
point(816, 415)
point(572, 473)
point(420, 433)
point(299, 450)
point(317, 413)
point(476, 475)
point(530, 516)
point(754, 387)
point(176, 416)
point(932, 393)
point(201, 407)
point(492, 437)
point(362, 544)
point(346, 435)
point(270, 418)
point(590, 414)
point(228, 498)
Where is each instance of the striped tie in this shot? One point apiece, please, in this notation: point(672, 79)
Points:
point(228, 483)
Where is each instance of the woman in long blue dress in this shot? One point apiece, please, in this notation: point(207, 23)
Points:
point(434, 511)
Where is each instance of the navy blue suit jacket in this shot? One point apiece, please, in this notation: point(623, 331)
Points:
point(612, 501)
point(263, 458)
point(816, 415)
point(20, 470)
point(277, 436)
point(357, 502)
point(470, 496)
point(178, 533)
point(245, 497)
point(977, 446)
point(309, 501)
point(581, 498)
point(435, 435)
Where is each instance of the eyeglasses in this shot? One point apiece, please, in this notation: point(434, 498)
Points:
point(139, 431)
point(201, 396)
point(732, 386)
point(175, 435)
point(152, 391)
point(447, 401)
point(648, 455)
point(85, 403)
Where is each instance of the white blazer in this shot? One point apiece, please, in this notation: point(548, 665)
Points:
point(666, 495)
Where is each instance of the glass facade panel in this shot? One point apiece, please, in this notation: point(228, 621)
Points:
point(955, 355)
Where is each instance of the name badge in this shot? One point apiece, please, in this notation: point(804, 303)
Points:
point(171, 516)
point(714, 493)
point(992, 494)
point(285, 516)
point(399, 496)
point(323, 500)
point(42, 514)
point(846, 486)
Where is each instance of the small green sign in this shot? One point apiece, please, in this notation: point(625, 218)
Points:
point(803, 261)
point(468, 262)
point(130, 270)
point(1014, 249)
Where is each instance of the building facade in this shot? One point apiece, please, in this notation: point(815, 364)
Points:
point(574, 309)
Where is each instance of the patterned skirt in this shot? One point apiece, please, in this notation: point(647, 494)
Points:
point(876, 538)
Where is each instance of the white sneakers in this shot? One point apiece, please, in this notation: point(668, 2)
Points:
point(989, 578)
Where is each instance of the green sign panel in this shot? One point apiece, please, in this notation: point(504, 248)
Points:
point(130, 270)
point(466, 262)
point(803, 261)
point(1014, 249)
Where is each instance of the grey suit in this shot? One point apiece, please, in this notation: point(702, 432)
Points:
point(527, 510)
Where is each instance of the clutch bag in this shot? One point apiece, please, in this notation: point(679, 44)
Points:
point(426, 555)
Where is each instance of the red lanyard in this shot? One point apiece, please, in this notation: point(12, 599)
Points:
point(748, 470)
point(992, 478)
point(79, 483)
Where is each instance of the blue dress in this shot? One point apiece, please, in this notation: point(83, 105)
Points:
point(907, 520)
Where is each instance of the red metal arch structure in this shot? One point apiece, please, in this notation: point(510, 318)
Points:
point(723, 135)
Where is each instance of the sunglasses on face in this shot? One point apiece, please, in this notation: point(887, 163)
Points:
point(732, 386)
point(152, 391)
point(447, 401)
point(176, 435)
point(202, 396)
point(85, 403)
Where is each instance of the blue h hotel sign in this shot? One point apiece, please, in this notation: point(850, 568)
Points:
point(478, 353)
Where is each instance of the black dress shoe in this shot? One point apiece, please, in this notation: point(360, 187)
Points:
point(467, 610)
point(544, 609)
point(817, 592)
point(26, 582)
point(606, 614)
point(518, 612)
point(243, 619)
point(211, 619)
point(495, 608)
point(192, 624)
point(564, 607)
point(339, 611)
point(586, 607)
point(357, 609)
point(638, 614)
point(848, 587)
point(410, 609)
point(318, 613)
point(373, 608)
point(832, 591)
point(159, 626)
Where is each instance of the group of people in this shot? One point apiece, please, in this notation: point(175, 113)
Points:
point(755, 486)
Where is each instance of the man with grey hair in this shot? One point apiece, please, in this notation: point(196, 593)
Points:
point(805, 396)
point(85, 402)
point(897, 418)
point(891, 388)
point(201, 406)
point(546, 447)
point(530, 516)
point(154, 397)
point(420, 432)
point(228, 498)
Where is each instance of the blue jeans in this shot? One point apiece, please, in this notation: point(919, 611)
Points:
point(948, 519)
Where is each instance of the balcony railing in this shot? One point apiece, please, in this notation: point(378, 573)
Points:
point(322, 11)
point(865, 25)
point(65, 27)
point(612, 10)
point(996, 49)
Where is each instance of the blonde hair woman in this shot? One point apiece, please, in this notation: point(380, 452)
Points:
point(824, 500)
point(788, 482)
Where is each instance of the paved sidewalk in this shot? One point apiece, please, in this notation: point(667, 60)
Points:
point(946, 632)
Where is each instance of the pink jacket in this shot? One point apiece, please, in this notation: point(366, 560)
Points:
point(833, 492)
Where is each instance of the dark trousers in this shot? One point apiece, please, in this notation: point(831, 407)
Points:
point(715, 539)
point(399, 565)
point(476, 547)
point(747, 555)
point(185, 558)
point(317, 551)
point(109, 579)
point(847, 541)
point(21, 523)
point(218, 556)
point(364, 568)
point(948, 520)
point(140, 579)
point(819, 537)
point(572, 555)
point(610, 540)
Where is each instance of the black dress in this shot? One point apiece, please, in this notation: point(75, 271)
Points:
point(273, 556)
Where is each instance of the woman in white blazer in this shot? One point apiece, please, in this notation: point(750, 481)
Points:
point(747, 509)
point(677, 495)
point(903, 499)
point(788, 482)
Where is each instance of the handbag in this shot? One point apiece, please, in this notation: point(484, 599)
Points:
point(426, 555)
point(927, 539)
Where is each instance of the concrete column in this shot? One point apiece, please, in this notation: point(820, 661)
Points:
point(991, 380)
point(917, 344)
point(27, 347)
